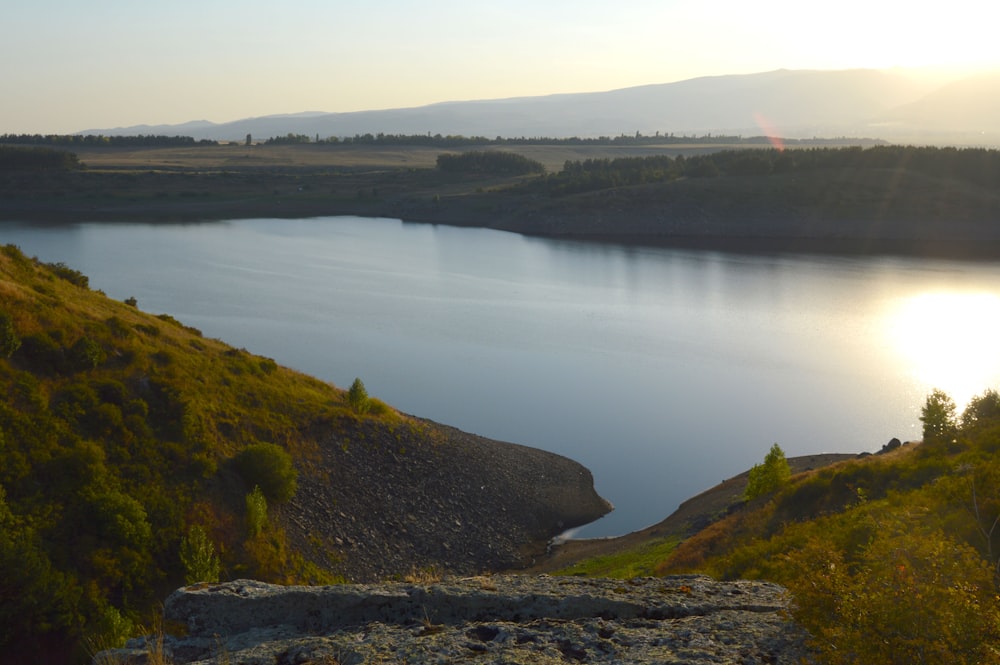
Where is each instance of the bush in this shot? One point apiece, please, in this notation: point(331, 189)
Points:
point(268, 467)
point(198, 556)
point(9, 341)
point(256, 512)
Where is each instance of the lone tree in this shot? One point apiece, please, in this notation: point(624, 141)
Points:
point(769, 476)
point(357, 397)
point(938, 417)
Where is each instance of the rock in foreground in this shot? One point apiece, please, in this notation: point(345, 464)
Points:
point(499, 619)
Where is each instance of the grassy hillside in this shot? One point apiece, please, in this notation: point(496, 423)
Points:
point(136, 456)
point(891, 558)
point(111, 453)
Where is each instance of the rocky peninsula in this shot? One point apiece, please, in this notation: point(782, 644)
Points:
point(486, 619)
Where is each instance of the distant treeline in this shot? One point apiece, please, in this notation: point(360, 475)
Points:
point(36, 159)
point(436, 140)
point(658, 138)
point(98, 140)
point(973, 165)
point(491, 162)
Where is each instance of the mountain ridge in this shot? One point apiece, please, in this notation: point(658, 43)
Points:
point(791, 103)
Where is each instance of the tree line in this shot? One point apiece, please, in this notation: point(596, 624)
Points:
point(100, 140)
point(491, 162)
point(973, 165)
point(36, 159)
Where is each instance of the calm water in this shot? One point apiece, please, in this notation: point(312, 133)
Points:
point(663, 371)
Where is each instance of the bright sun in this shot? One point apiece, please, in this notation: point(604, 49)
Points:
point(950, 340)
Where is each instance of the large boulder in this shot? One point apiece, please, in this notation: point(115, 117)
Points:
point(496, 619)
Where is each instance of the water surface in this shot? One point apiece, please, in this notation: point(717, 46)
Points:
point(663, 371)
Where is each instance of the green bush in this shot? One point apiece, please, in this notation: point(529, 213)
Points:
point(9, 341)
point(269, 467)
point(256, 512)
point(198, 556)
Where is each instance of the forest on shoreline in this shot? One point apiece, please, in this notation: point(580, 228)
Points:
point(880, 198)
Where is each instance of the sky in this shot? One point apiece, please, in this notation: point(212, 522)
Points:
point(70, 65)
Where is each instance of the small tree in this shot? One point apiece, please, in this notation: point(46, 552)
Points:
point(938, 417)
point(198, 556)
point(769, 476)
point(357, 397)
point(256, 512)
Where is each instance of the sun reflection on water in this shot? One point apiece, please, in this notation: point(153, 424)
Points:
point(950, 340)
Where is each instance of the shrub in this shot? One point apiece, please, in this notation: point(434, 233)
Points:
point(256, 512)
point(9, 341)
point(63, 271)
point(268, 467)
point(198, 556)
point(86, 354)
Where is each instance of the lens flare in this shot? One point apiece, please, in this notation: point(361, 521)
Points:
point(770, 131)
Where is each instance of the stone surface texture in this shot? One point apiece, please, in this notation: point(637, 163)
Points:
point(488, 619)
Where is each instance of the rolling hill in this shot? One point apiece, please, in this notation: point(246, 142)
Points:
point(893, 105)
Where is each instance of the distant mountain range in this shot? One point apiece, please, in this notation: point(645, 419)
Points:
point(892, 105)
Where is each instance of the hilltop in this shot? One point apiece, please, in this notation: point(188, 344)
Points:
point(138, 454)
point(899, 105)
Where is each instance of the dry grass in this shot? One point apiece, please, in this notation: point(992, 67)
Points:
point(237, 156)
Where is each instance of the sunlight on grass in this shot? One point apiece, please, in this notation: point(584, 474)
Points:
point(948, 340)
point(639, 562)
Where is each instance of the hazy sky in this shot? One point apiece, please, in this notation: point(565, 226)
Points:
point(69, 65)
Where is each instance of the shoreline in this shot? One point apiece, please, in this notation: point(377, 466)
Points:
point(690, 516)
point(964, 247)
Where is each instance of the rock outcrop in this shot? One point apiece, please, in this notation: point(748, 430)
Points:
point(495, 619)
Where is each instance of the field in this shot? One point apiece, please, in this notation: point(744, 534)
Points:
point(332, 156)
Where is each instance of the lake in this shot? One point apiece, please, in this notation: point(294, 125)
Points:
point(663, 371)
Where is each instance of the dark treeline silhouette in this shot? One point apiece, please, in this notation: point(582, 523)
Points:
point(291, 139)
point(973, 165)
point(36, 159)
point(96, 140)
point(492, 162)
point(457, 140)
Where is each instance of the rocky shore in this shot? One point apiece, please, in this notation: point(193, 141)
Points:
point(485, 620)
point(380, 501)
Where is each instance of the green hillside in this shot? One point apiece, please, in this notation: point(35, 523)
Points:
point(112, 457)
point(891, 558)
point(137, 456)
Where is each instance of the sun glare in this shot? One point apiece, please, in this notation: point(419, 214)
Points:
point(949, 340)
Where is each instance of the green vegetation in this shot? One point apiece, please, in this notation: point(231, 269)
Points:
point(128, 444)
point(268, 467)
point(489, 162)
point(975, 166)
point(201, 564)
point(639, 562)
point(892, 558)
point(770, 476)
point(99, 140)
point(357, 397)
point(256, 512)
point(36, 159)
